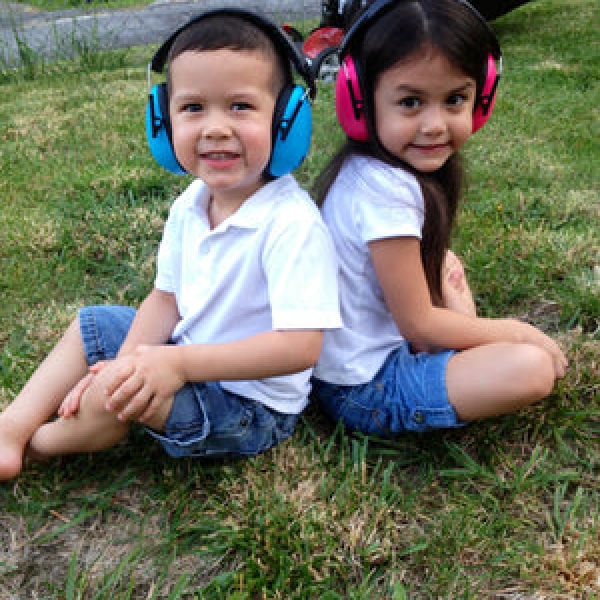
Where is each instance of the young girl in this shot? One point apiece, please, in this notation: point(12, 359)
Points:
point(418, 77)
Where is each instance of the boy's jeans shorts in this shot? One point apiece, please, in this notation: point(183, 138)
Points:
point(407, 394)
point(205, 420)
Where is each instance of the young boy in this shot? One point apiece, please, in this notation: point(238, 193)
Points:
point(218, 358)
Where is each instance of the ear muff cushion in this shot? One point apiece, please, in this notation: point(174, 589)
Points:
point(485, 102)
point(292, 130)
point(158, 131)
point(349, 104)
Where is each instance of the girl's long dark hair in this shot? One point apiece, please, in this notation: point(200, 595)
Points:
point(405, 29)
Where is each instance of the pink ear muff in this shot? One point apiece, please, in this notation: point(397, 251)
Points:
point(485, 102)
point(349, 104)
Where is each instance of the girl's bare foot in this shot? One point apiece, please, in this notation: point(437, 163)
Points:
point(456, 293)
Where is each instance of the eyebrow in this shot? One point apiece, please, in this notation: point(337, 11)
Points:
point(463, 88)
point(410, 90)
point(190, 94)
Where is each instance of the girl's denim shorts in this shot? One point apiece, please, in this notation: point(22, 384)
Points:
point(407, 394)
point(205, 420)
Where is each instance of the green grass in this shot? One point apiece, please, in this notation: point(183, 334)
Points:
point(508, 508)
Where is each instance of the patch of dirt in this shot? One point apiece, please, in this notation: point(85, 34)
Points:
point(121, 547)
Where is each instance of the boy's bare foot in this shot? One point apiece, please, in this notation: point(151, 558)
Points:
point(456, 293)
point(11, 455)
point(14, 452)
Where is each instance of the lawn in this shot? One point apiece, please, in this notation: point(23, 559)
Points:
point(508, 508)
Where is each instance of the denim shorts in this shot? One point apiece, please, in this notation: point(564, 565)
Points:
point(407, 394)
point(205, 419)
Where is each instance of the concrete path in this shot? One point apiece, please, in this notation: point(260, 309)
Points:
point(64, 33)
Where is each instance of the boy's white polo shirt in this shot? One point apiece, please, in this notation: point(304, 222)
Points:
point(270, 265)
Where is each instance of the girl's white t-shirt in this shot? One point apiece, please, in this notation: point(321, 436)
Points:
point(369, 200)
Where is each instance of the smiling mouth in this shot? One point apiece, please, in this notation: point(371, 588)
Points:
point(430, 148)
point(222, 155)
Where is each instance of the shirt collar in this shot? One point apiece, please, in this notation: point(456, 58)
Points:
point(254, 211)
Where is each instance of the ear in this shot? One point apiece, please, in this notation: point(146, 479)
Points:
point(292, 130)
point(158, 130)
point(349, 102)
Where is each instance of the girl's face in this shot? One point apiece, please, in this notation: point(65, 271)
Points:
point(424, 109)
point(221, 106)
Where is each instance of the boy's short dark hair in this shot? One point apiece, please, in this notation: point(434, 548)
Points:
point(219, 32)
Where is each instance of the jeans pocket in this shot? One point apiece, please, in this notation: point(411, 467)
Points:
point(241, 426)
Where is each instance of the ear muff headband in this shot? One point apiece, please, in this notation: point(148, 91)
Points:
point(292, 119)
point(349, 95)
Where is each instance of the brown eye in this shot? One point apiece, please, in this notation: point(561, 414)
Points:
point(410, 102)
point(192, 107)
point(456, 99)
point(241, 106)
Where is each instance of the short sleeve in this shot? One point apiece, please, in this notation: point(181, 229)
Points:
point(301, 272)
point(168, 250)
point(389, 203)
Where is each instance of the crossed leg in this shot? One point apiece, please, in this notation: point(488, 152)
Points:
point(26, 425)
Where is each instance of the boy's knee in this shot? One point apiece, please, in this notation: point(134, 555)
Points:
point(94, 398)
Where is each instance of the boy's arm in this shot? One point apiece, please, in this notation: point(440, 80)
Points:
point(153, 323)
point(267, 354)
point(151, 374)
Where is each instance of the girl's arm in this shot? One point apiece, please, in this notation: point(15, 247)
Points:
point(399, 269)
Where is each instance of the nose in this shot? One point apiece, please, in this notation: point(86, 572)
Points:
point(215, 125)
point(433, 121)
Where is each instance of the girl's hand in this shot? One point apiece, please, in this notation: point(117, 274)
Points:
point(141, 381)
point(534, 336)
point(70, 405)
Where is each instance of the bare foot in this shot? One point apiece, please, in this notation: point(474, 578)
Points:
point(456, 293)
point(11, 455)
point(15, 451)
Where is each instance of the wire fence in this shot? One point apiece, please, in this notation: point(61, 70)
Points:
point(61, 28)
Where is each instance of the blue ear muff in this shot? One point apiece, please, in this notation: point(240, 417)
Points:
point(158, 130)
point(292, 129)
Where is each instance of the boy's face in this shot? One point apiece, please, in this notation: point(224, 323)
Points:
point(221, 107)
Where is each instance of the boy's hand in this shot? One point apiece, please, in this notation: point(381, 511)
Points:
point(70, 405)
point(141, 381)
